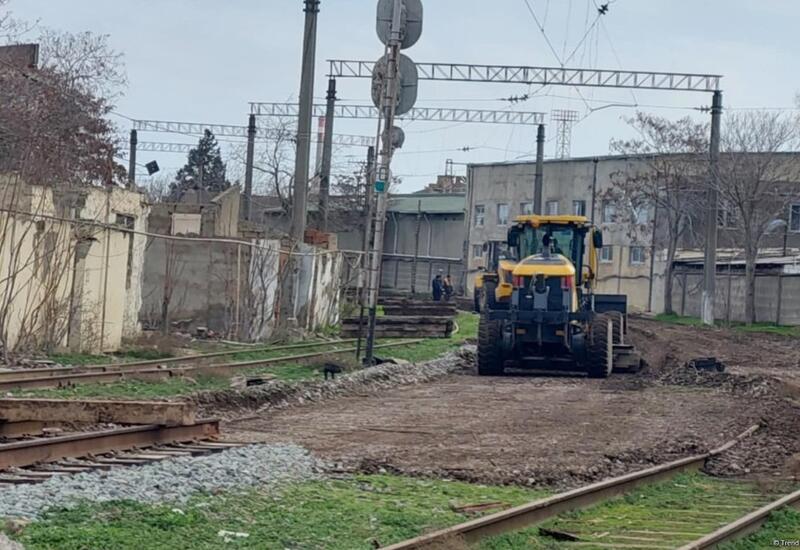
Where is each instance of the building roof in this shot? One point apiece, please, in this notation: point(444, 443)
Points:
point(600, 158)
point(733, 257)
point(433, 203)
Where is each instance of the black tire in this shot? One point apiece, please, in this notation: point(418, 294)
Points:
point(490, 347)
point(618, 320)
point(600, 361)
point(488, 298)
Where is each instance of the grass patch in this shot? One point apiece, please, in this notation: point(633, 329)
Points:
point(133, 354)
point(768, 328)
point(131, 389)
point(290, 371)
point(782, 525)
point(435, 347)
point(335, 515)
point(651, 508)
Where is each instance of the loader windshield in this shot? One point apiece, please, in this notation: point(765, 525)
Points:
point(566, 240)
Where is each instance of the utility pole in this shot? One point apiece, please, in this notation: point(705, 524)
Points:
point(595, 161)
point(327, 153)
point(368, 213)
point(402, 33)
point(300, 193)
point(300, 188)
point(248, 169)
point(539, 179)
point(710, 263)
point(132, 160)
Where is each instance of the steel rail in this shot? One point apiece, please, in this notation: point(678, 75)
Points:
point(520, 517)
point(27, 453)
point(57, 371)
point(746, 525)
point(136, 372)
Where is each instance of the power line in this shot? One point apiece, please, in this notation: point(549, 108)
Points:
point(541, 28)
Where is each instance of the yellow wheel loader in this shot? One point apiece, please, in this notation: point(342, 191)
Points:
point(539, 309)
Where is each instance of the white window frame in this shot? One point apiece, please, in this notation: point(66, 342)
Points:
point(551, 211)
point(610, 258)
point(608, 208)
point(480, 215)
point(630, 255)
point(794, 218)
point(477, 251)
point(641, 214)
point(582, 208)
point(526, 208)
point(500, 220)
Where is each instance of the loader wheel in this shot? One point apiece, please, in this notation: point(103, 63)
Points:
point(490, 350)
point(618, 320)
point(600, 361)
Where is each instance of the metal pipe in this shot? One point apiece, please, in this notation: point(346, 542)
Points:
point(248, 167)
point(539, 178)
point(132, 160)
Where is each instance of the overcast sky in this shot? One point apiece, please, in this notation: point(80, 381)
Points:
point(204, 60)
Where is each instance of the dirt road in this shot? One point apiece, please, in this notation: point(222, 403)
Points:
point(555, 431)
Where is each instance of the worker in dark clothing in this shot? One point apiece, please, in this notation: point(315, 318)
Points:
point(437, 288)
point(448, 288)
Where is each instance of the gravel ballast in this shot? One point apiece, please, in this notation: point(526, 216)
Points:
point(278, 394)
point(172, 480)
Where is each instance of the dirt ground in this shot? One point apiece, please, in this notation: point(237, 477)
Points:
point(667, 345)
point(562, 431)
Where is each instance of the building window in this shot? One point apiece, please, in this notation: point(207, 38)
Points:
point(641, 214)
point(609, 212)
point(502, 214)
point(794, 217)
point(477, 251)
point(579, 208)
point(726, 218)
point(637, 255)
point(480, 215)
point(552, 208)
point(526, 208)
point(607, 254)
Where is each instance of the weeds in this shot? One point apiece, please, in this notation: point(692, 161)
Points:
point(337, 515)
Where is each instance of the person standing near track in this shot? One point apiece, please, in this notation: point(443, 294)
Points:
point(448, 288)
point(437, 287)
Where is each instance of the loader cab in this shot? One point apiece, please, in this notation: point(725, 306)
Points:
point(548, 236)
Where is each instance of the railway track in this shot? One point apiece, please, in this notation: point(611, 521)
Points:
point(735, 510)
point(39, 459)
point(159, 369)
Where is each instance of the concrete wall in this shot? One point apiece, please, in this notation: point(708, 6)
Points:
point(226, 218)
point(565, 181)
point(75, 284)
point(200, 279)
point(777, 296)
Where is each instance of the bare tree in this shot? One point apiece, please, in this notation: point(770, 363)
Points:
point(758, 180)
point(11, 29)
point(84, 61)
point(672, 155)
point(53, 132)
